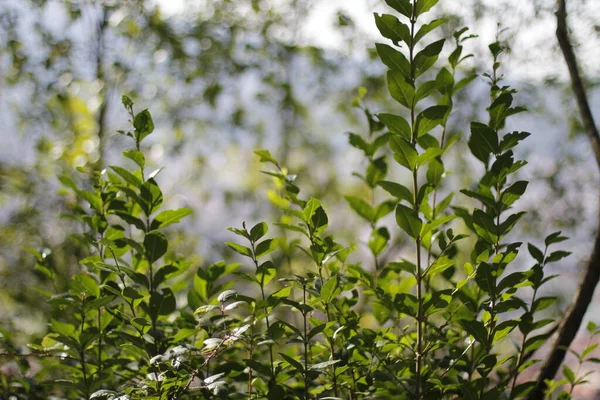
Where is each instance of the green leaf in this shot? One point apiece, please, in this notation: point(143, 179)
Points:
point(361, 207)
point(383, 209)
point(569, 374)
point(555, 238)
point(428, 227)
point(557, 255)
point(379, 240)
point(404, 152)
point(483, 141)
point(136, 156)
point(397, 190)
point(422, 6)
point(227, 295)
point(391, 28)
point(295, 364)
point(329, 289)
point(435, 171)
point(513, 193)
point(92, 198)
point(310, 209)
point(498, 110)
point(238, 248)
point(393, 59)
point(130, 219)
point(442, 205)
point(485, 226)
point(485, 278)
point(127, 176)
point(84, 284)
point(425, 89)
point(402, 6)
point(396, 124)
point(408, 220)
point(464, 82)
point(319, 220)
point(426, 28)
point(155, 245)
point(150, 196)
point(265, 247)
point(475, 329)
point(162, 302)
point(358, 142)
point(510, 140)
point(376, 171)
point(428, 155)
point(403, 265)
point(506, 226)
point(440, 265)
point(503, 329)
point(143, 125)
point(542, 303)
point(400, 88)
point(265, 156)
point(168, 217)
point(326, 364)
point(258, 231)
point(427, 57)
point(536, 253)
point(430, 118)
point(63, 328)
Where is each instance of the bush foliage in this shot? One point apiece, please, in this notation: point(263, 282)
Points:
point(443, 317)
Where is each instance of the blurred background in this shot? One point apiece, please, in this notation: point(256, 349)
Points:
point(225, 77)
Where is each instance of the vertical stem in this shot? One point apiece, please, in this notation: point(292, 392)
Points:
point(82, 352)
point(419, 355)
point(262, 291)
point(306, 344)
point(100, 340)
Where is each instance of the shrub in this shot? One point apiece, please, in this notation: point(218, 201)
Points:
point(426, 319)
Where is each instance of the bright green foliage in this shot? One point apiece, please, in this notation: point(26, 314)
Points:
point(425, 317)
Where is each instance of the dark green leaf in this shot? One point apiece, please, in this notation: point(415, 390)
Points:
point(143, 125)
point(483, 141)
point(401, 89)
point(408, 220)
point(404, 152)
point(258, 231)
point(391, 28)
point(397, 190)
point(265, 247)
point(430, 118)
point(427, 57)
point(155, 245)
point(404, 7)
point(396, 124)
point(422, 6)
point(426, 28)
point(393, 59)
point(475, 329)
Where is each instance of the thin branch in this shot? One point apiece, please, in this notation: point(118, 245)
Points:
point(570, 324)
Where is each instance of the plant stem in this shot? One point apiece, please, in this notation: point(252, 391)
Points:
point(306, 344)
point(262, 291)
point(418, 354)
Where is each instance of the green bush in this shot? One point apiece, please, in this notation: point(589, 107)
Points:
point(428, 319)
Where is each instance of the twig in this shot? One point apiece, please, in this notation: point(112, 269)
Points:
point(570, 324)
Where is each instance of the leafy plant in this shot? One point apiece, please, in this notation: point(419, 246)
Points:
point(429, 314)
